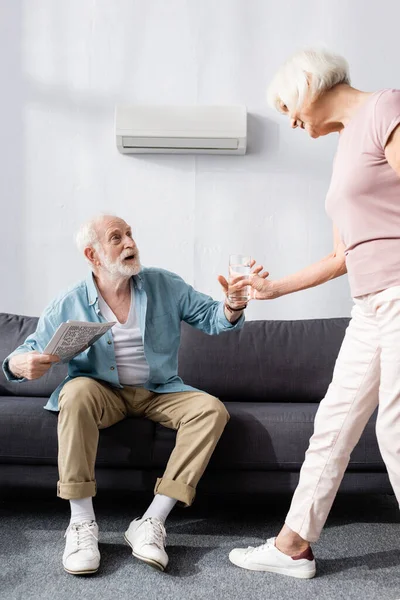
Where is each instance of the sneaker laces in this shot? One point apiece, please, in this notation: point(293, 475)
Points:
point(265, 546)
point(155, 532)
point(83, 533)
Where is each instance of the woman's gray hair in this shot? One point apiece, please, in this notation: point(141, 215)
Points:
point(313, 69)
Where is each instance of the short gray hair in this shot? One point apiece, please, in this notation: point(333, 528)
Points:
point(86, 235)
point(316, 69)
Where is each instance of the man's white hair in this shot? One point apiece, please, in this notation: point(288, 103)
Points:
point(310, 69)
point(87, 234)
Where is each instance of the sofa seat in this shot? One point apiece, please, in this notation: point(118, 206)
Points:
point(259, 436)
point(28, 435)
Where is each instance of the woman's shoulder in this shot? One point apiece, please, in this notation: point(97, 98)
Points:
point(386, 114)
point(387, 98)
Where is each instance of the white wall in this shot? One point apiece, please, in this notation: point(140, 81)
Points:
point(64, 66)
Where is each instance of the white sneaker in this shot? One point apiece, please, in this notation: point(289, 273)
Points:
point(267, 557)
point(81, 555)
point(146, 537)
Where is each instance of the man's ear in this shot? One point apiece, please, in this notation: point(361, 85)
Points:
point(92, 256)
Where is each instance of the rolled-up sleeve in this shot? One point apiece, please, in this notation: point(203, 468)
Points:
point(201, 311)
point(223, 321)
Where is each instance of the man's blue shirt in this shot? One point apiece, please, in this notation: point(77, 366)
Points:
point(162, 301)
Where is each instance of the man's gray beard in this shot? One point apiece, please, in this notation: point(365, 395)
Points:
point(117, 268)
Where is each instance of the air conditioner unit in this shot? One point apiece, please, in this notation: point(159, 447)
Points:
point(181, 129)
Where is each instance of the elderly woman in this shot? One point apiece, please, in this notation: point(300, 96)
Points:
point(313, 90)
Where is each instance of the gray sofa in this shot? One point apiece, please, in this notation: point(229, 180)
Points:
point(271, 376)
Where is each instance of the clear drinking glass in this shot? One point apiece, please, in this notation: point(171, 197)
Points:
point(239, 268)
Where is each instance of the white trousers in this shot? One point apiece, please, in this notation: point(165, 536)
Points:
point(366, 374)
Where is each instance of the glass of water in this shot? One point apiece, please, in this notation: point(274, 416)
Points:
point(239, 268)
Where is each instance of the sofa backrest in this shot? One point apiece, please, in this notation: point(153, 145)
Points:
point(14, 329)
point(266, 361)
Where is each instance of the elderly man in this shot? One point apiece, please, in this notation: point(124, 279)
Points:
point(127, 373)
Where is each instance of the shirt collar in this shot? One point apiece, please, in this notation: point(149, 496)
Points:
point(91, 288)
point(138, 280)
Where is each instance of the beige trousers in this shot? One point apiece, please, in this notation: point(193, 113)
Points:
point(366, 374)
point(87, 405)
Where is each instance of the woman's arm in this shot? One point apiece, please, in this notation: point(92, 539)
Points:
point(327, 268)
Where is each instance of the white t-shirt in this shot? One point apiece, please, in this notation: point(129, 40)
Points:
point(132, 365)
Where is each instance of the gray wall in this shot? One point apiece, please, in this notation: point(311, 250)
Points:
point(64, 66)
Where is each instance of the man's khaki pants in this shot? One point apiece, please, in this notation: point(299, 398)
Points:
point(87, 405)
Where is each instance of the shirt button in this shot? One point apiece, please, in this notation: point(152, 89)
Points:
point(109, 342)
point(112, 368)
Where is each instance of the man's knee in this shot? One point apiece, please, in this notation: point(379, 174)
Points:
point(215, 409)
point(79, 393)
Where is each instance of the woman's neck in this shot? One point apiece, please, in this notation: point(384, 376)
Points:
point(341, 104)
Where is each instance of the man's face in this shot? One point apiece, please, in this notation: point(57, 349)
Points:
point(116, 249)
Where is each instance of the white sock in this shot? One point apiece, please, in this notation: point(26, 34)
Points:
point(82, 510)
point(160, 507)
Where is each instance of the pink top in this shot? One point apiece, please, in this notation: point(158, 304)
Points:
point(363, 200)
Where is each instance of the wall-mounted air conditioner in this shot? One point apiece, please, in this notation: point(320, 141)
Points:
point(181, 129)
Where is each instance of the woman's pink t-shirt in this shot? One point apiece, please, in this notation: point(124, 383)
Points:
point(363, 200)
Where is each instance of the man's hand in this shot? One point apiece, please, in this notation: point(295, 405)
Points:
point(234, 287)
point(31, 365)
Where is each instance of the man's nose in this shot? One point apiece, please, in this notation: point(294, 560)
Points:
point(128, 241)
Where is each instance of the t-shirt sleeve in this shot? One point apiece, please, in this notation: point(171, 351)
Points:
point(387, 115)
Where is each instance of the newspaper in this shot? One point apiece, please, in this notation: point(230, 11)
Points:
point(73, 337)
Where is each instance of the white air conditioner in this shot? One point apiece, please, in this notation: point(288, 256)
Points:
point(181, 129)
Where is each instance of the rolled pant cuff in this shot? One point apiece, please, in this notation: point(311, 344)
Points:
point(175, 489)
point(76, 491)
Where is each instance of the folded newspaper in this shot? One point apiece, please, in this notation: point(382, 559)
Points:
point(73, 337)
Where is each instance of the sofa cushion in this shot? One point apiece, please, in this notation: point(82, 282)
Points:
point(266, 361)
point(268, 436)
point(28, 435)
point(271, 436)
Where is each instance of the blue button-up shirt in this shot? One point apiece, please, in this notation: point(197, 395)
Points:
point(162, 301)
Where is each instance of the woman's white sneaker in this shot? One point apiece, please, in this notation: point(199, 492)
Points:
point(81, 555)
point(146, 537)
point(267, 557)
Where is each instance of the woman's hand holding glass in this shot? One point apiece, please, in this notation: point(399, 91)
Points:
point(261, 288)
point(233, 288)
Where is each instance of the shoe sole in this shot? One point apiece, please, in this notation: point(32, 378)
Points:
point(91, 572)
point(149, 561)
point(288, 572)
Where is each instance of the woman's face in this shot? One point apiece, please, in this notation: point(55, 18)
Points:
point(311, 117)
